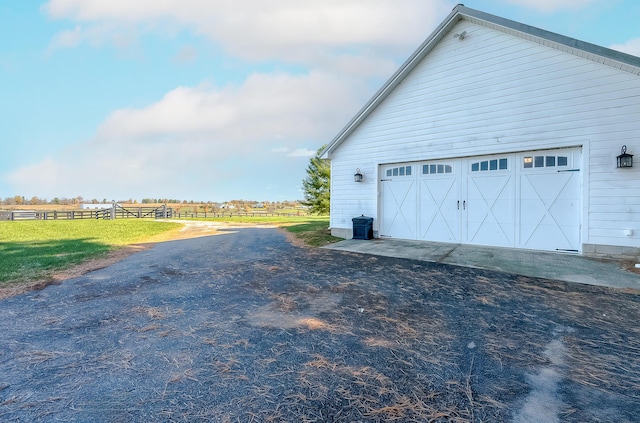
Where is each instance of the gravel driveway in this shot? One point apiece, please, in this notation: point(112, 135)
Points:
point(244, 326)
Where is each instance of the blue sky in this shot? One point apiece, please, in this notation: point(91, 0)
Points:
point(215, 100)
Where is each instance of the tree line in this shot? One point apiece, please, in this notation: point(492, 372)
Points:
point(241, 204)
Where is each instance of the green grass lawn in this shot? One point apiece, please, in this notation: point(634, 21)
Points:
point(31, 250)
point(314, 233)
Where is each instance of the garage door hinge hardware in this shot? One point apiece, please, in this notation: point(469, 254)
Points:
point(385, 180)
point(569, 170)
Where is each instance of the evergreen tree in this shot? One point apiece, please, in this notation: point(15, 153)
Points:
point(316, 185)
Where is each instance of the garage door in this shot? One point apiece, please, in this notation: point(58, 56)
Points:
point(399, 206)
point(528, 200)
point(439, 217)
point(489, 201)
point(550, 200)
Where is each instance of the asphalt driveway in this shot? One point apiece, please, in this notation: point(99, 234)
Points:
point(244, 326)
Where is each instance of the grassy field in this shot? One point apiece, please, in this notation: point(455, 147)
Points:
point(31, 250)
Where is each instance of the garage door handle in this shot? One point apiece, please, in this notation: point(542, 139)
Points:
point(458, 204)
point(464, 205)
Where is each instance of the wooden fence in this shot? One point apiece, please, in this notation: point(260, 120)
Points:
point(114, 212)
point(118, 212)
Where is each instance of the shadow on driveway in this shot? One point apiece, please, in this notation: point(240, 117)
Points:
point(244, 326)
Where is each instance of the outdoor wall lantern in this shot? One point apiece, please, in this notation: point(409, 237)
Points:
point(358, 177)
point(624, 159)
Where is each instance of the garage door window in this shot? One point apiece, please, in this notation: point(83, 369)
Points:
point(399, 171)
point(544, 161)
point(436, 168)
point(489, 165)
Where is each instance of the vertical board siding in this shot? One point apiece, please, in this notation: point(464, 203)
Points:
point(494, 92)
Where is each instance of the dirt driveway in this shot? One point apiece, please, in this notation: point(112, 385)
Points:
point(245, 326)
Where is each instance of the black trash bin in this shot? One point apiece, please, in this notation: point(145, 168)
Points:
point(362, 227)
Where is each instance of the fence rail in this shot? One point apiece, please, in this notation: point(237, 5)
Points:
point(119, 212)
point(114, 212)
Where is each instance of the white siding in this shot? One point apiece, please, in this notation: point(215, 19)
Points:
point(494, 92)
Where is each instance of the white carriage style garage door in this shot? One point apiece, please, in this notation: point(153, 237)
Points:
point(527, 200)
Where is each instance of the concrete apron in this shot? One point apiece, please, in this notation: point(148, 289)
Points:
point(548, 265)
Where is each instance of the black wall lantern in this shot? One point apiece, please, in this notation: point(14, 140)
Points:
point(624, 159)
point(358, 176)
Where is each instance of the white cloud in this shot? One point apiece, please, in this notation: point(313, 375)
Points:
point(302, 152)
point(266, 107)
point(366, 64)
point(298, 152)
point(186, 54)
point(630, 47)
point(548, 6)
point(195, 138)
point(291, 30)
point(280, 150)
point(66, 39)
point(123, 37)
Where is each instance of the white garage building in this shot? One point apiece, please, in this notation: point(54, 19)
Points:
point(497, 133)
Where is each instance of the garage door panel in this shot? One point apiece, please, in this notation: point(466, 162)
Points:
point(550, 205)
point(490, 230)
point(548, 235)
point(489, 188)
point(398, 213)
point(439, 218)
point(489, 233)
point(565, 212)
point(490, 210)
